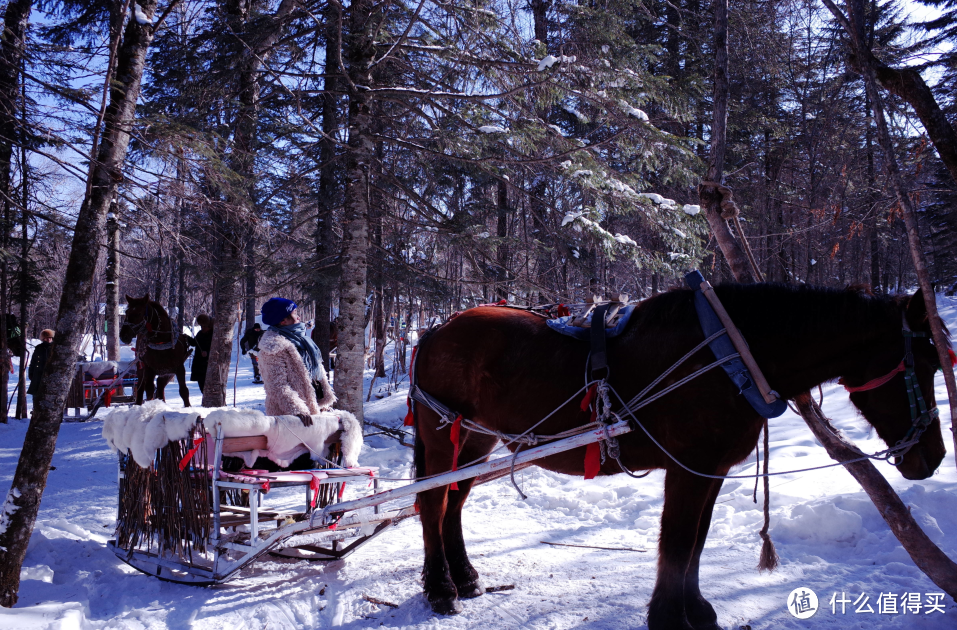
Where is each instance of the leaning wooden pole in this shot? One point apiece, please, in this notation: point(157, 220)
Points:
point(926, 555)
point(23, 500)
point(853, 24)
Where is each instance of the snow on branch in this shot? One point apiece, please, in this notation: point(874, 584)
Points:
point(550, 60)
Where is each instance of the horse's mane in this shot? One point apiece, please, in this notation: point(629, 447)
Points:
point(769, 308)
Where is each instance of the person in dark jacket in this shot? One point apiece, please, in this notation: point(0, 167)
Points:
point(204, 339)
point(250, 343)
point(39, 361)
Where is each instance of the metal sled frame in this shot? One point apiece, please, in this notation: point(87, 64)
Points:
point(335, 531)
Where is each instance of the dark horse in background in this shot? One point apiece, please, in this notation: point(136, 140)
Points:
point(505, 369)
point(161, 351)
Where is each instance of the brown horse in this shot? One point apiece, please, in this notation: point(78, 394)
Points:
point(505, 370)
point(159, 349)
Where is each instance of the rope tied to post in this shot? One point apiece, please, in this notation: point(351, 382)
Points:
point(729, 209)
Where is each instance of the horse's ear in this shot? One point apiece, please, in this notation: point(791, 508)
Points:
point(129, 300)
point(146, 298)
point(916, 312)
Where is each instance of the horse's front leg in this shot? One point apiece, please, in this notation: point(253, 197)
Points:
point(140, 385)
point(700, 612)
point(183, 387)
point(149, 376)
point(689, 498)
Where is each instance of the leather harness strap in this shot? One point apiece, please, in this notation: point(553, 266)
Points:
point(598, 359)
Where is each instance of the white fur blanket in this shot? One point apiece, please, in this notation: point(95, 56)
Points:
point(141, 430)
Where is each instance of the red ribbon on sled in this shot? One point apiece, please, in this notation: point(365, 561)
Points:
point(183, 463)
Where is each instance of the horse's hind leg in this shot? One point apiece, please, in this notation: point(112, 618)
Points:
point(689, 500)
point(161, 384)
point(464, 575)
point(437, 581)
point(433, 456)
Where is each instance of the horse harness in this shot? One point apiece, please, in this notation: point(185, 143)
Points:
point(728, 355)
point(921, 417)
point(147, 326)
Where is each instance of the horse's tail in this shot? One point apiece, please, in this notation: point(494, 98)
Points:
point(418, 453)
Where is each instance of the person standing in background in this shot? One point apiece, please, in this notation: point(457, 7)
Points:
point(39, 361)
point(204, 340)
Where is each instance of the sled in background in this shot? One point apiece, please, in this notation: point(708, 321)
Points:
point(100, 383)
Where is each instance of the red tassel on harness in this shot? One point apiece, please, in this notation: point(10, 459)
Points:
point(953, 357)
point(562, 311)
point(589, 396)
point(592, 460)
point(454, 436)
point(410, 417)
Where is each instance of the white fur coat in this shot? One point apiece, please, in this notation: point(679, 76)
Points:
point(288, 385)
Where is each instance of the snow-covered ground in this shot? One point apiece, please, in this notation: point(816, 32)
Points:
point(828, 534)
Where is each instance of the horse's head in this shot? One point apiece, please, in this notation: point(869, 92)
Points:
point(135, 320)
point(894, 390)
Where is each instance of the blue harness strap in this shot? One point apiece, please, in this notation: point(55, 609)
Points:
point(722, 347)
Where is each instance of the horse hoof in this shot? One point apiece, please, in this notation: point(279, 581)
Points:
point(470, 590)
point(446, 606)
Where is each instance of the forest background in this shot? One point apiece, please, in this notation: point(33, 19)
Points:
point(402, 161)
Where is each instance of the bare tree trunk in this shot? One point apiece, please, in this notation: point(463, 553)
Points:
point(501, 250)
point(328, 190)
point(853, 23)
point(24, 256)
point(236, 217)
point(357, 51)
point(250, 282)
point(926, 555)
point(708, 192)
point(112, 290)
point(29, 481)
point(16, 18)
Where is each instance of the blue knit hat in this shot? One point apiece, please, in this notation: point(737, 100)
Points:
point(277, 309)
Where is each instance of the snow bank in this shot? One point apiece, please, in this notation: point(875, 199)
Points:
point(142, 430)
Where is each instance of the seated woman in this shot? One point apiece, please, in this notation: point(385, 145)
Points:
point(291, 365)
